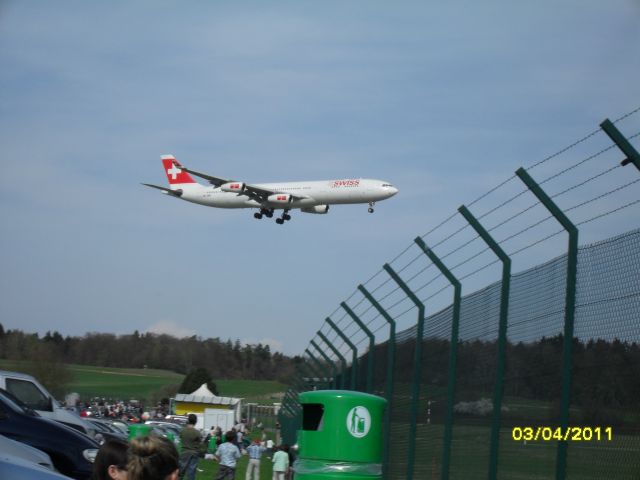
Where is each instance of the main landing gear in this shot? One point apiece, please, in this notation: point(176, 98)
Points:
point(285, 216)
point(268, 212)
point(263, 211)
point(371, 204)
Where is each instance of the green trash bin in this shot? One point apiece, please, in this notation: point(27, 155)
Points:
point(138, 430)
point(341, 436)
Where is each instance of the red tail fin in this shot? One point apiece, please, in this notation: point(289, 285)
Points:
point(175, 174)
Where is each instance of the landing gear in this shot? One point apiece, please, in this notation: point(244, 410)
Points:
point(371, 204)
point(285, 216)
point(267, 212)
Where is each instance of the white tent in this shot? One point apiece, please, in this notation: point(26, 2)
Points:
point(203, 391)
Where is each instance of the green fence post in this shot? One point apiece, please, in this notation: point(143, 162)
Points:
point(453, 353)
point(372, 345)
point(391, 359)
point(417, 369)
point(326, 358)
point(570, 304)
point(354, 355)
point(321, 367)
point(336, 352)
point(502, 337)
point(623, 144)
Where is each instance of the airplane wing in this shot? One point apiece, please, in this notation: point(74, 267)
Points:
point(217, 181)
point(254, 192)
point(167, 191)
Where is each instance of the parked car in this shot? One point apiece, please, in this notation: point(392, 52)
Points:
point(105, 431)
point(119, 424)
point(167, 426)
point(25, 452)
point(28, 390)
point(16, 468)
point(72, 452)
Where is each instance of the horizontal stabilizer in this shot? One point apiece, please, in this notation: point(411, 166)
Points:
point(173, 193)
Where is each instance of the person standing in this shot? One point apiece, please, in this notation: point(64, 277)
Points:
point(255, 451)
point(227, 454)
point(269, 447)
point(190, 439)
point(280, 464)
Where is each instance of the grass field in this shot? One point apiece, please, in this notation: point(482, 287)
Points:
point(208, 468)
point(140, 384)
point(615, 459)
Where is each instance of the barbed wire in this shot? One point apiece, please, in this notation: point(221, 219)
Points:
point(606, 194)
point(627, 115)
point(635, 202)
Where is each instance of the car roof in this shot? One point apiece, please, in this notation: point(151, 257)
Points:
point(21, 375)
point(18, 469)
point(24, 451)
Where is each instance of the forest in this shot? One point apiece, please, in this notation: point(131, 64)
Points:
point(223, 359)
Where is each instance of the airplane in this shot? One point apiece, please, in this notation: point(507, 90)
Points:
point(308, 197)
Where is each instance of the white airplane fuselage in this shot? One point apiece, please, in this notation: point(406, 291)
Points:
point(328, 192)
point(308, 197)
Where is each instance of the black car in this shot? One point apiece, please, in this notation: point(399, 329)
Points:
point(105, 431)
point(72, 452)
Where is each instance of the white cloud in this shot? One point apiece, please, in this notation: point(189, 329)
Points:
point(169, 327)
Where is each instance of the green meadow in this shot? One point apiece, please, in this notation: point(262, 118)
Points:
point(143, 384)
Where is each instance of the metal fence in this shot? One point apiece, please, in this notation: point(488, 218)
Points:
point(535, 374)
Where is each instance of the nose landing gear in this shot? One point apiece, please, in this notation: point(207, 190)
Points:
point(371, 204)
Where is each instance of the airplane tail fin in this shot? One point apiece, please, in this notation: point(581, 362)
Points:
point(175, 175)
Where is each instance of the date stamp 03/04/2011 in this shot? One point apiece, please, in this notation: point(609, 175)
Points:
point(568, 434)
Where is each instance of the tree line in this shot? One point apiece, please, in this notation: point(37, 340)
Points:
point(222, 359)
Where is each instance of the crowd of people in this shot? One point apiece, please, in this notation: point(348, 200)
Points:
point(156, 458)
point(128, 411)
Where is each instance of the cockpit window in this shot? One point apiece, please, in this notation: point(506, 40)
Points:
point(387, 185)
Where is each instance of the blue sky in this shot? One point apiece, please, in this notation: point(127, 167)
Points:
point(444, 101)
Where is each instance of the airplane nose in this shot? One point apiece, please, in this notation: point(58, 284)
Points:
point(392, 191)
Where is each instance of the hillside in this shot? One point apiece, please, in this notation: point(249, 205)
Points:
point(146, 384)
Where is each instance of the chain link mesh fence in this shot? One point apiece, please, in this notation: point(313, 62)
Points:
point(491, 403)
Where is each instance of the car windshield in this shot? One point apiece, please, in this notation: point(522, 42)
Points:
point(15, 404)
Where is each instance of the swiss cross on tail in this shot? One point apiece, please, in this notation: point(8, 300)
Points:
point(175, 174)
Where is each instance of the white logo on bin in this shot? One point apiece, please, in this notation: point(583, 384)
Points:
point(358, 421)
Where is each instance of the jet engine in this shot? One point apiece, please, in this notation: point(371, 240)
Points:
point(233, 187)
point(280, 198)
point(317, 209)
